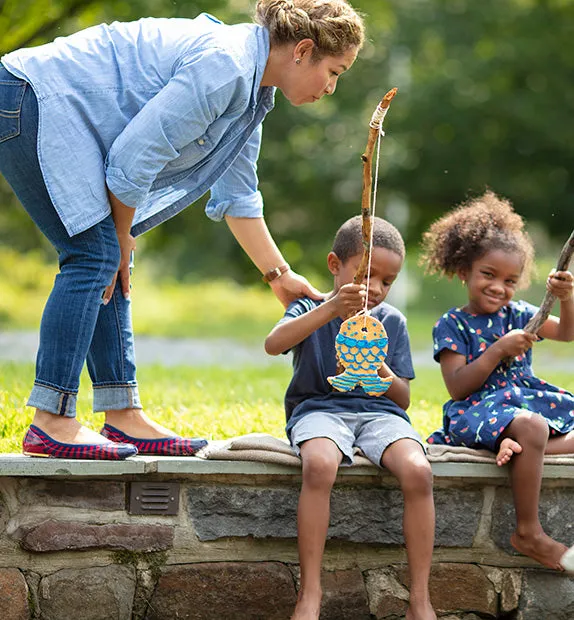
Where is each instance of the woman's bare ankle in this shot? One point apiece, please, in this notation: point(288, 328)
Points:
point(64, 429)
point(135, 423)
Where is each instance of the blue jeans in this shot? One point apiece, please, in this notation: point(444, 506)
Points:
point(76, 326)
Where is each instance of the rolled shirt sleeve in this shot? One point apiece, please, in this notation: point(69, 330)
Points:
point(199, 91)
point(235, 193)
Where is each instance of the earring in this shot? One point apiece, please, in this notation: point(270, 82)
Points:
point(463, 282)
point(297, 61)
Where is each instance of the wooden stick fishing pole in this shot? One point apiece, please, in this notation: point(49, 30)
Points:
point(367, 157)
point(537, 321)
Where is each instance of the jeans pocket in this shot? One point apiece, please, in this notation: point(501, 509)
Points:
point(11, 96)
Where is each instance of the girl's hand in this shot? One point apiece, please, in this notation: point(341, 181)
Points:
point(350, 299)
point(560, 284)
point(127, 246)
point(516, 342)
point(291, 286)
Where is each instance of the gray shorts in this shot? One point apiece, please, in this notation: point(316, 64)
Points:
point(373, 433)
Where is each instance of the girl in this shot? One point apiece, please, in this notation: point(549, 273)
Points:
point(485, 356)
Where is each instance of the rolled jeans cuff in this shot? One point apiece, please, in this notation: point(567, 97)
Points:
point(53, 400)
point(112, 397)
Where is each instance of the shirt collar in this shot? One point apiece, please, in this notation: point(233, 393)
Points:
point(265, 94)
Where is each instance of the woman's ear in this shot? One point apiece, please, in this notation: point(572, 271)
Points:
point(333, 263)
point(303, 49)
point(462, 275)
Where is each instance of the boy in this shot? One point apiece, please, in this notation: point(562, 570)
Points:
point(324, 426)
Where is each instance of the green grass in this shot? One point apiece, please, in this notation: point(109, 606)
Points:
point(211, 402)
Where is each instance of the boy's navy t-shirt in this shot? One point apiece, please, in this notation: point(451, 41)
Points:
point(315, 359)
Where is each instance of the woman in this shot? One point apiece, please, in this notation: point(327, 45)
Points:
point(109, 132)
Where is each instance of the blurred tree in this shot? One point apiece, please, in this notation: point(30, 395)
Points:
point(485, 100)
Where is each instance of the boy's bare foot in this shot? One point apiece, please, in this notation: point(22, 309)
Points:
point(423, 611)
point(308, 608)
point(540, 547)
point(507, 448)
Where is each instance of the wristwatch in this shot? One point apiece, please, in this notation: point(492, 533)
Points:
point(275, 273)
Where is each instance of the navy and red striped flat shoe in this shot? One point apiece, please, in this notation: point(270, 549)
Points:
point(168, 446)
point(38, 443)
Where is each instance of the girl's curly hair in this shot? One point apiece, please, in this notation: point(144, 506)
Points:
point(472, 229)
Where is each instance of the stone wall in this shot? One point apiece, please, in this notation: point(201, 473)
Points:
point(71, 547)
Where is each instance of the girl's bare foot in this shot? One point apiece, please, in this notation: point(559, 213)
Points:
point(540, 547)
point(423, 611)
point(507, 448)
point(308, 607)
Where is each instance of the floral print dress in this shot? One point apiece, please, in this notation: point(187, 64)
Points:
point(479, 419)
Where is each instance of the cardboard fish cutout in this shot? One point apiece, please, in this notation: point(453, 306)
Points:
point(361, 347)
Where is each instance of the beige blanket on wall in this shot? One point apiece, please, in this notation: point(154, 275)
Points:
point(268, 449)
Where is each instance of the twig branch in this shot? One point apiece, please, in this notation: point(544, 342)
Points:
point(367, 158)
point(538, 320)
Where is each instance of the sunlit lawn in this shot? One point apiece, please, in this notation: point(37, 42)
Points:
point(210, 402)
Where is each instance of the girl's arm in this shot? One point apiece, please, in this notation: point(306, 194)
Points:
point(400, 390)
point(462, 379)
point(561, 285)
point(287, 334)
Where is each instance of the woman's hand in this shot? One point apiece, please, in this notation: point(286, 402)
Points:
point(291, 286)
point(127, 247)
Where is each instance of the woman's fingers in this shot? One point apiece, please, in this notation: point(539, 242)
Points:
point(109, 291)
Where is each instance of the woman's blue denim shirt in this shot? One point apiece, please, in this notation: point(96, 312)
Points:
point(159, 110)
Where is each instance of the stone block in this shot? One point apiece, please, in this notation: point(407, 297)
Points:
point(507, 583)
point(89, 494)
point(387, 597)
point(4, 514)
point(66, 535)
point(458, 512)
point(554, 504)
point(224, 591)
point(459, 588)
point(546, 596)
point(362, 515)
point(13, 595)
point(98, 593)
point(261, 512)
point(344, 596)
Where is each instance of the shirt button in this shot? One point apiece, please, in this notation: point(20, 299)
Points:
point(201, 142)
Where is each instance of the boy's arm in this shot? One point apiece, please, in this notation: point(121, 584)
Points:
point(400, 390)
point(287, 334)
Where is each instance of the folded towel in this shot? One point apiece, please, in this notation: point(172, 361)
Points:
point(268, 449)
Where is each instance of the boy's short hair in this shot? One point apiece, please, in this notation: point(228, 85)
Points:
point(349, 238)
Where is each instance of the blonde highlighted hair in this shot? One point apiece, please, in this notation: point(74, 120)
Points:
point(333, 25)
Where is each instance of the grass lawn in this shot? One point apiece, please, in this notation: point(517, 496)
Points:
point(211, 402)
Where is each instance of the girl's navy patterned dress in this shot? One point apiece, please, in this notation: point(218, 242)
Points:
point(478, 420)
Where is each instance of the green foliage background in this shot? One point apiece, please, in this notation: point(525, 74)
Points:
point(485, 100)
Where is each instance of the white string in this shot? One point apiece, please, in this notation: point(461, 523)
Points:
point(381, 134)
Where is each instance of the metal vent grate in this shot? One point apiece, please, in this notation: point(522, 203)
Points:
point(154, 498)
